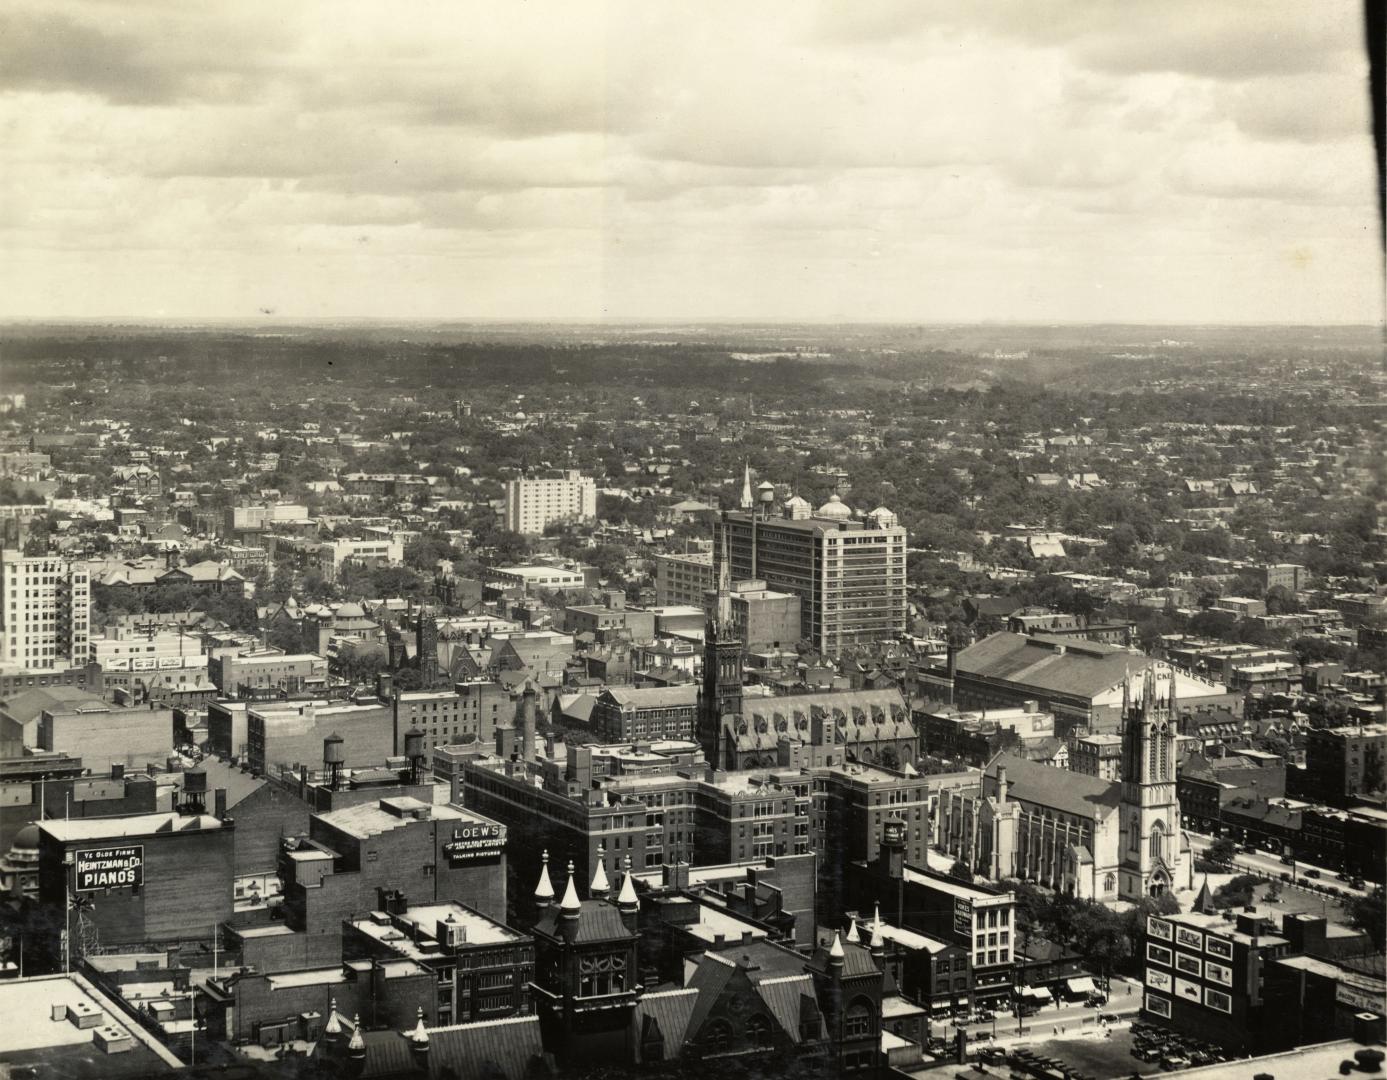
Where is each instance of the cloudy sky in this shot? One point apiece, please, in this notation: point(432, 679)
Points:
point(864, 160)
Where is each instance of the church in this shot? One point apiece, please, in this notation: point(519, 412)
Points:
point(795, 730)
point(1082, 835)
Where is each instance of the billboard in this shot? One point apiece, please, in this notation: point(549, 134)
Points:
point(963, 917)
point(478, 840)
point(108, 868)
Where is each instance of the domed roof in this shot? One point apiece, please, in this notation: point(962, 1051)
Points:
point(835, 508)
point(351, 610)
point(27, 839)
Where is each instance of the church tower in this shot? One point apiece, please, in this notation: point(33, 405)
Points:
point(1152, 862)
point(722, 667)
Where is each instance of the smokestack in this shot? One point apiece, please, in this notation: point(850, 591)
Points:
point(1001, 785)
point(527, 721)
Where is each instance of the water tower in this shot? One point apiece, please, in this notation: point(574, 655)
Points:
point(414, 751)
point(334, 757)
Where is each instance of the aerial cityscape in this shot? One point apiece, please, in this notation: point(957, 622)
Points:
point(528, 551)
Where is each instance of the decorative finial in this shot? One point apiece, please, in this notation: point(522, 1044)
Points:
point(544, 891)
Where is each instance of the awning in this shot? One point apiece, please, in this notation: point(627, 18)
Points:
point(1081, 985)
point(1040, 993)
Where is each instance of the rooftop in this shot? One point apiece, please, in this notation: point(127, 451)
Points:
point(136, 825)
point(372, 819)
point(31, 1037)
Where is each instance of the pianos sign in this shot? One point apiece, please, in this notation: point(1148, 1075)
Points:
point(477, 841)
point(109, 868)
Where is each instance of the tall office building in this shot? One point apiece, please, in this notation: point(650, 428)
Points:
point(533, 504)
point(45, 606)
point(847, 570)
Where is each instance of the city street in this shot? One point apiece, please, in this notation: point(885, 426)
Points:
point(1267, 863)
point(1124, 997)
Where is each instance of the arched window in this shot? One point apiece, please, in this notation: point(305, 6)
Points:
point(858, 1022)
point(1157, 839)
point(717, 1036)
point(1163, 741)
point(758, 1031)
point(1109, 883)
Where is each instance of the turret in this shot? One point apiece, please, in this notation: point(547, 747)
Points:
point(569, 907)
point(626, 899)
point(356, 1047)
point(544, 889)
point(853, 935)
point(600, 885)
point(878, 942)
point(419, 1042)
point(835, 957)
point(333, 1028)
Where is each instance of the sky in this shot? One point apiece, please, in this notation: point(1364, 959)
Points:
point(1195, 161)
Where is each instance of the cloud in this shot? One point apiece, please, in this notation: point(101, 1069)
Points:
point(893, 159)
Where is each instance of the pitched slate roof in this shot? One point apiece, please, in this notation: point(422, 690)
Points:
point(1060, 789)
point(598, 920)
point(488, 1050)
point(666, 1012)
point(1047, 664)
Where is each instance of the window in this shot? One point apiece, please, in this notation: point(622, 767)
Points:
point(716, 1037)
point(759, 1032)
point(858, 1022)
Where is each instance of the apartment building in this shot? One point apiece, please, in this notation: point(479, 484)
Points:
point(532, 504)
point(45, 608)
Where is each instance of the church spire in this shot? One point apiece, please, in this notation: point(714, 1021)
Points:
point(747, 503)
point(1171, 704)
point(725, 584)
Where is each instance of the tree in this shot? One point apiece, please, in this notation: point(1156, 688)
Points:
point(960, 871)
point(1237, 893)
point(1369, 914)
point(1222, 851)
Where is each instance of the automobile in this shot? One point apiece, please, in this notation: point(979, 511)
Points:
point(1096, 1000)
point(1284, 876)
point(1312, 873)
point(1341, 877)
point(1286, 860)
point(1249, 849)
point(1357, 883)
point(1174, 1062)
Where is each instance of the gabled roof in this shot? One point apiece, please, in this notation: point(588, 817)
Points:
point(489, 1050)
point(1044, 785)
point(666, 1012)
point(1057, 665)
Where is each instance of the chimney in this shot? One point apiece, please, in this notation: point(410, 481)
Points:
point(219, 802)
point(384, 685)
point(527, 722)
point(1001, 785)
point(118, 770)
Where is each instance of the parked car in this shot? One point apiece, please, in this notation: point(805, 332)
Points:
point(1312, 873)
point(1286, 860)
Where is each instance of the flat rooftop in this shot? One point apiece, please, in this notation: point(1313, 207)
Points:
point(479, 929)
point(1322, 1059)
point(954, 887)
point(30, 1037)
point(372, 819)
point(66, 831)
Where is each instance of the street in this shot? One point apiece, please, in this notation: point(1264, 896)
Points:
point(1270, 864)
point(1124, 996)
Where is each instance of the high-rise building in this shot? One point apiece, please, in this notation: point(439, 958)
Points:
point(45, 607)
point(847, 570)
point(532, 504)
point(683, 578)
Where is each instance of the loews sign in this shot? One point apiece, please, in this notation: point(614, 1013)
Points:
point(476, 841)
point(109, 868)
